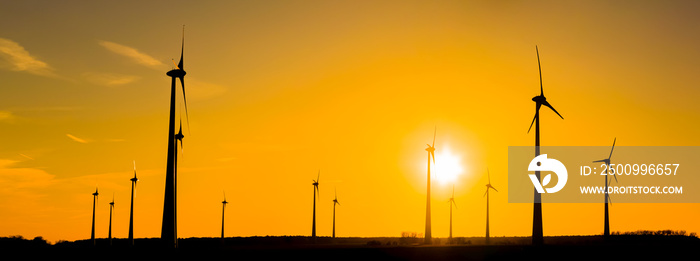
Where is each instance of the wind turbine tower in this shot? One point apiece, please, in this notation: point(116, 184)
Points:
point(316, 191)
point(335, 202)
point(488, 186)
point(428, 231)
point(606, 219)
point(131, 213)
point(452, 202)
point(111, 207)
point(169, 225)
point(537, 234)
point(94, 203)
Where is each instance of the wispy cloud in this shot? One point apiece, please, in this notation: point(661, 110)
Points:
point(19, 59)
point(110, 79)
point(135, 55)
point(6, 116)
point(76, 138)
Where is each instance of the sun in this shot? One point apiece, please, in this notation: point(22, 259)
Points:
point(448, 166)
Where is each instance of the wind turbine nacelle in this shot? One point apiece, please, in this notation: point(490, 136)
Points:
point(539, 99)
point(176, 73)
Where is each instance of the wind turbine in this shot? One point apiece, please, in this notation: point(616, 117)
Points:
point(223, 211)
point(131, 213)
point(111, 207)
point(94, 203)
point(335, 202)
point(169, 226)
point(606, 224)
point(313, 223)
point(428, 232)
point(488, 186)
point(452, 202)
point(537, 234)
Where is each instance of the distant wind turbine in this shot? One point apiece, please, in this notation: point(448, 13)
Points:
point(313, 223)
point(606, 222)
point(537, 234)
point(335, 202)
point(94, 203)
point(111, 207)
point(223, 211)
point(169, 226)
point(131, 213)
point(452, 202)
point(488, 186)
point(428, 231)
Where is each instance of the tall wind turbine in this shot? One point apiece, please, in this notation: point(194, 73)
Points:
point(537, 234)
point(94, 203)
point(431, 152)
point(111, 207)
point(131, 213)
point(488, 186)
point(169, 228)
point(452, 202)
point(335, 202)
point(313, 223)
point(606, 222)
point(223, 211)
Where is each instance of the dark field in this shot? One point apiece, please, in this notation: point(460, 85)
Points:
point(622, 247)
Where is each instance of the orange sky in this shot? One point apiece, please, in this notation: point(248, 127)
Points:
point(278, 90)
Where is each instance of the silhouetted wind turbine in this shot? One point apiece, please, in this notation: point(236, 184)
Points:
point(537, 234)
point(169, 227)
point(313, 223)
point(94, 203)
point(131, 213)
point(488, 186)
point(431, 152)
point(335, 202)
point(606, 222)
point(111, 207)
point(452, 202)
point(223, 211)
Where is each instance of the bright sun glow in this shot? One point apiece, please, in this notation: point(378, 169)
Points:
point(448, 166)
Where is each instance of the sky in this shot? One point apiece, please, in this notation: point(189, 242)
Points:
point(280, 90)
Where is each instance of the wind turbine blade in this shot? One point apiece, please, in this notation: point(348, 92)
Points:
point(184, 98)
point(434, 135)
point(453, 192)
point(533, 122)
point(614, 176)
point(494, 188)
point(613, 147)
point(433, 153)
point(550, 106)
point(603, 160)
point(489, 175)
point(318, 177)
point(540, 67)
point(487, 191)
point(182, 52)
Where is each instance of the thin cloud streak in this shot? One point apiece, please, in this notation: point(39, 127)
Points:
point(135, 55)
point(110, 79)
point(76, 138)
point(20, 59)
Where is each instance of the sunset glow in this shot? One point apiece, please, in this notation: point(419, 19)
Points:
point(278, 90)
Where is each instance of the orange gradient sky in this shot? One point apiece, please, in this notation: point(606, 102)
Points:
point(278, 90)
